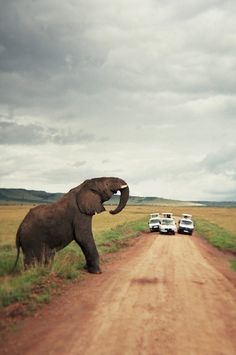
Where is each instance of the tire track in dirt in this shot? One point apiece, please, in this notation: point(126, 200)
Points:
point(160, 296)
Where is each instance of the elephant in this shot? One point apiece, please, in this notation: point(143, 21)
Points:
point(47, 229)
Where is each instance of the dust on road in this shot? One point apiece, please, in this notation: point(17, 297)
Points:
point(161, 296)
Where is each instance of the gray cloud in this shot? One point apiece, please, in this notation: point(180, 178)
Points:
point(222, 162)
point(12, 133)
point(143, 89)
point(28, 134)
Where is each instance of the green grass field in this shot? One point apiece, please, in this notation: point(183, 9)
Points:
point(37, 285)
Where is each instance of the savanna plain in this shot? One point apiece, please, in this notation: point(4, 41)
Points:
point(24, 292)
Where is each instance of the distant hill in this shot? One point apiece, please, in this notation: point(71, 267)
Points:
point(27, 196)
point(23, 196)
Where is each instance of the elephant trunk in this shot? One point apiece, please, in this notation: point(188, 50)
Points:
point(124, 189)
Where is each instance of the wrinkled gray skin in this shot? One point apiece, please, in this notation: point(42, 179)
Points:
point(49, 228)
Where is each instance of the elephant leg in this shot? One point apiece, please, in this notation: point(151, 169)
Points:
point(30, 255)
point(42, 255)
point(29, 260)
point(48, 255)
point(91, 255)
point(84, 238)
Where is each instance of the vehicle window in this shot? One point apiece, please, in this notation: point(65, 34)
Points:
point(167, 221)
point(186, 222)
point(155, 220)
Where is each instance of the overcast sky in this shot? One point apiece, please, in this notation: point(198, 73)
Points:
point(140, 89)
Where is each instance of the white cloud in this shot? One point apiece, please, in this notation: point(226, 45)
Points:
point(140, 89)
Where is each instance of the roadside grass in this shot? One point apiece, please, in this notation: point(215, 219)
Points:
point(7, 259)
point(233, 264)
point(116, 238)
point(36, 285)
point(17, 288)
point(216, 235)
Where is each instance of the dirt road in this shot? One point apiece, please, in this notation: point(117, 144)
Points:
point(161, 296)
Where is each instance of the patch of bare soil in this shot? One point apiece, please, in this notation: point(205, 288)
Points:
point(165, 295)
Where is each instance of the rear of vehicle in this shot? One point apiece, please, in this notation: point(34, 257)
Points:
point(154, 224)
point(168, 226)
point(186, 226)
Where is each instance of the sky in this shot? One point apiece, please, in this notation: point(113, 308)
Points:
point(144, 90)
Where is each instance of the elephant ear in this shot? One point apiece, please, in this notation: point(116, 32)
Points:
point(89, 202)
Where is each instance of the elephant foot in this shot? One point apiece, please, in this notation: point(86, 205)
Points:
point(93, 270)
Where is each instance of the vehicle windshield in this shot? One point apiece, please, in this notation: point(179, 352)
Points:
point(167, 221)
point(188, 223)
point(155, 220)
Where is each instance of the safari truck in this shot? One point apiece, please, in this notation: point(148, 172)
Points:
point(186, 226)
point(154, 224)
point(168, 226)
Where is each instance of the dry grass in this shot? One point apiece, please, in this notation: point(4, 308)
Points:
point(11, 217)
point(106, 221)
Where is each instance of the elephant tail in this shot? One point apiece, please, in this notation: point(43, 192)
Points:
point(18, 250)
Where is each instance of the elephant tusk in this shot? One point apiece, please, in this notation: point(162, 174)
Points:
point(123, 187)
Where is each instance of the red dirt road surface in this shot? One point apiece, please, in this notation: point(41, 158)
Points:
point(164, 295)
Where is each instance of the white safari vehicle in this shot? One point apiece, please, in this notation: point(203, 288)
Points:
point(185, 226)
point(154, 224)
point(168, 226)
